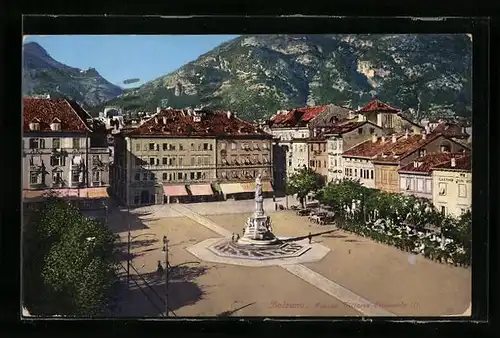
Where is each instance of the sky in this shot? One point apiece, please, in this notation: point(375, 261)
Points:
point(121, 57)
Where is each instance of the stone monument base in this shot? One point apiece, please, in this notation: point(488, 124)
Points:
point(258, 242)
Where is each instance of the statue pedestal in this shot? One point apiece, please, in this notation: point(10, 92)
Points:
point(258, 230)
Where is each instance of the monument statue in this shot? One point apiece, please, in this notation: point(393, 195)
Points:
point(258, 226)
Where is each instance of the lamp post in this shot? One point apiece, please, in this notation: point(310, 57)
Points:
point(130, 239)
point(167, 270)
point(165, 249)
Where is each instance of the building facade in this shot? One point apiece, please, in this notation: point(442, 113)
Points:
point(452, 182)
point(345, 136)
point(357, 161)
point(186, 155)
point(318, 154)
point(64, 153)
point(415, 178)
point(390, 119)
point(240, 160)
point(406, 149)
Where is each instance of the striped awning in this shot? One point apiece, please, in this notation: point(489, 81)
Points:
point(201, 190)
point(250, 187)
point(175, 190)
point(231, 188)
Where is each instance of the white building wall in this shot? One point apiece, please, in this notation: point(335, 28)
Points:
point(362, 169)
point(335, 149)
point(452, 191)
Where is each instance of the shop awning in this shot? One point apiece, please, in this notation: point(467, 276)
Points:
point(69, 192)
point(250, 187)
point(101, 192)
point(175, 190)
point(231, 188)
point(201, 190)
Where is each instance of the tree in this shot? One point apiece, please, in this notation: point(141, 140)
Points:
point(303, 182)
point(68, 262)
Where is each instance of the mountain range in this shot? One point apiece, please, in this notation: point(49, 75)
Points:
point(44, 75)
point(258, 75)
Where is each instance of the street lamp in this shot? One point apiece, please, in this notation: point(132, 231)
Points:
point(167, 269)
point(165, 250)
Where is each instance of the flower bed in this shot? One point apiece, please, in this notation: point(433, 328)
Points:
point(404, 238)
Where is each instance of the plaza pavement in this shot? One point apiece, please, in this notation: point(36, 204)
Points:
point(381, 280)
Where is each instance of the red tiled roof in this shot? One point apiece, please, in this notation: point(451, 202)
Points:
point(404, 146)
point(297, 116)
point(369, 148)
point(311, 112)
point(377, 105)
point(461, 163)
point(176, 122)
point(72, 117)
point(450, 130)
point(428, 162)
point(345, 127)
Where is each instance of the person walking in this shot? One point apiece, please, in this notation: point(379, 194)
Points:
point(310, 237)
point(232, 237)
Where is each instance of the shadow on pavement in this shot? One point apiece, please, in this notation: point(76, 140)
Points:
point(122, 248)
point(182, 291)
point(121, 220)
point(232, 312)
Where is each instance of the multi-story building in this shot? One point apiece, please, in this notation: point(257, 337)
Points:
point(184, 154)
point(344, 136)
point(357, 161)
point(415, 178)
point(406, 149)
point(452, 186)
point(243, 153)
point(64, 153)
point(318, 155)
point(292, 128)
point(390, 119)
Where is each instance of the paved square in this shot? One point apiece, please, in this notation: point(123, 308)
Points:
point(369, 278)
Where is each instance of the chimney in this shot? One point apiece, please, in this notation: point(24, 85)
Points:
point(351, 115)
point(374, 138)
point(453, 162)
point(407, 134)
point(229, 114)
point(383, 139)
point(424, 135)
point(158, 109)
point(156, 120)
point(427, 129)
point(415, 164)
point(315, 132)
point(394, 139)
point(164, 120)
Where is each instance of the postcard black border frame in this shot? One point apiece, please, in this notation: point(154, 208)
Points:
point(479, 27)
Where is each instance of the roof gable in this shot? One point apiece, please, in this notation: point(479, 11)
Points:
point(379, 106)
